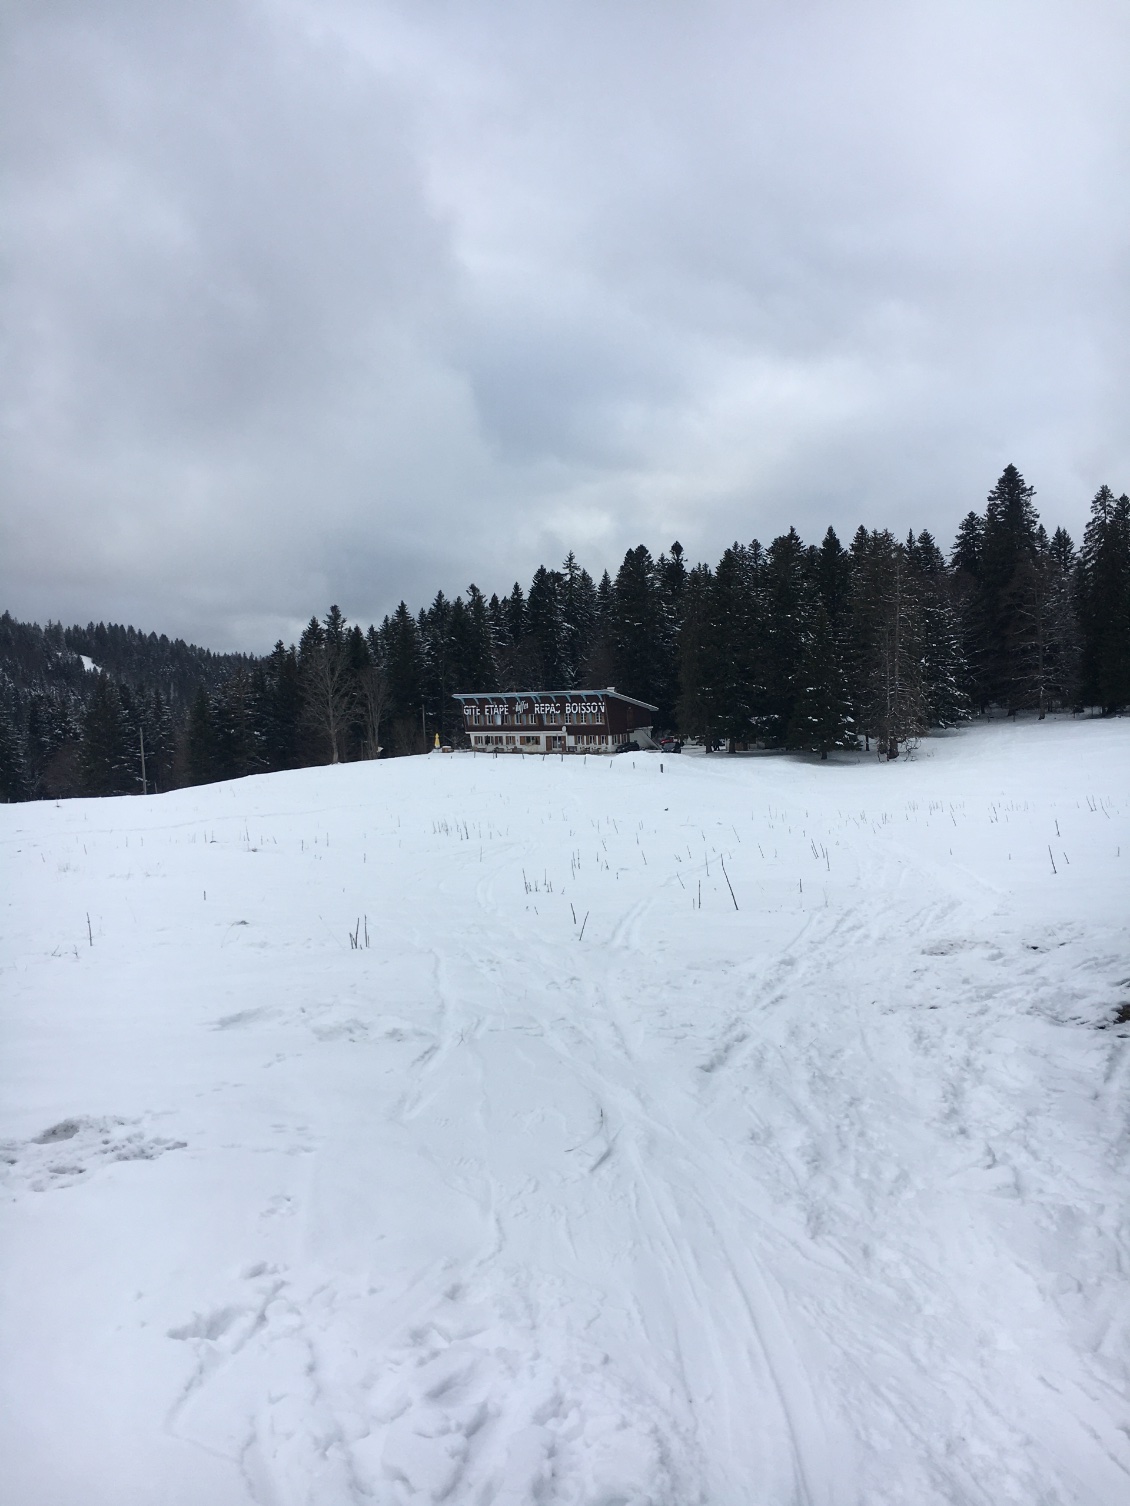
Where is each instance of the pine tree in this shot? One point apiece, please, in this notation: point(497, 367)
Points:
point(404, 664)
point(965, 594)
point(545, 624)
point(672, 573)
point(107, 759)
point(1104, 602)
point(821, 717)
point(598, 670)
point(888, 699)
point(14, 781)
point(698, 710)
point(200, 740)
point(578, 608)
point(944, 671)
point(787, 592)
point(833, 581)
point(479, 664)
point(443, 634)
point(736, 643)
point(1042, 632)
point(235, 736)
point(671, 579)
point(1066, 637)
point(1008, 551)
point(518, 664)
point(639, 659)
point(280, 709)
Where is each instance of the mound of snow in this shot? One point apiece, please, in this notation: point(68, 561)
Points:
point(507, 1130)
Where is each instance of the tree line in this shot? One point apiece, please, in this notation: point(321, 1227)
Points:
point(807, 646)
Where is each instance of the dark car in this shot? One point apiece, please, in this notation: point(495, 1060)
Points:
point(670, 745)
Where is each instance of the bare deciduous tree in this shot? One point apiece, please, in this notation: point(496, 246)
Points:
point(327, 685)
point(374, 698)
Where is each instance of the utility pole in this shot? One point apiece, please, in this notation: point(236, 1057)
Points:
point(423, 728)
point(144, 781)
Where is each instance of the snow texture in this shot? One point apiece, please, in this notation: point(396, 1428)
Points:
point(809, 1194)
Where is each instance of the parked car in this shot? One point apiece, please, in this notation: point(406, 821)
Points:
point(670, 745)
point(626, 748)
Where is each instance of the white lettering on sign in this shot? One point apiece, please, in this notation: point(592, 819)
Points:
point(557, 710)
point(500, 708)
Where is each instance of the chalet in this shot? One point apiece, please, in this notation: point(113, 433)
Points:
point(555, 721)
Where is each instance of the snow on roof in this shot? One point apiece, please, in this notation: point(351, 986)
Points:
point(494, 695)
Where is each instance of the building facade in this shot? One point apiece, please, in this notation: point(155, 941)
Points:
point(555, 721)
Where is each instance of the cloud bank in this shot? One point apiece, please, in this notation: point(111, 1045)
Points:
point(310, 300)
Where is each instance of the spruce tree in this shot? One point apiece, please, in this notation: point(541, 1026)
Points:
point(1066, 635)
point(821, 717)
point(545, 624)
point(698, 702)
point(944, 672)
point(440, 667)
point(1104, 602)
point(235, 737)
point(280, 710)
point(735, 643)
point(965, 594)
point(200, 740)
point(404, 663)
point(599, 670)
point(578, 606)
point(1005, 587)
point(14, 781)
point(639, 651)
point(888, 697)
point(833, 581)
point(479, 665)
point(671, 579)
point(107, 759)
point(787, 590)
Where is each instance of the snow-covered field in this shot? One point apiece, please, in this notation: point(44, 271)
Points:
point(821, 1200)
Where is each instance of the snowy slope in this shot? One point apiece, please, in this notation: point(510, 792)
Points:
point(818, 1200)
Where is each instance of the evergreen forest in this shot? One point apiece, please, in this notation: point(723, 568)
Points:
point(787, 645)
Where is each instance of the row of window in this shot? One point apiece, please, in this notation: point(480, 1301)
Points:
point(553, 742)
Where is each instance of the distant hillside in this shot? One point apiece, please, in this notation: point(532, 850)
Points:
point(50, 658)
point(69, 727)
point(785, 645)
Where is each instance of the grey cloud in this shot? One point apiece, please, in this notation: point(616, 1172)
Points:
point(353, 301)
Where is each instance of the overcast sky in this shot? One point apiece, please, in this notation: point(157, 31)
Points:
point(340, 300)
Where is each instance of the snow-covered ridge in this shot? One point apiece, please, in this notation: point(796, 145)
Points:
point(689, 1130)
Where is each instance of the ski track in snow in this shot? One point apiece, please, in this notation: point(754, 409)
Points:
point(819, 1201)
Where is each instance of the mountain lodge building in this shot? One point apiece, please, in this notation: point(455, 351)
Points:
point(555, 721)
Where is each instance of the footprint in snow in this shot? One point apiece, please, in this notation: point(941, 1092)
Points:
point(72, 1149)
